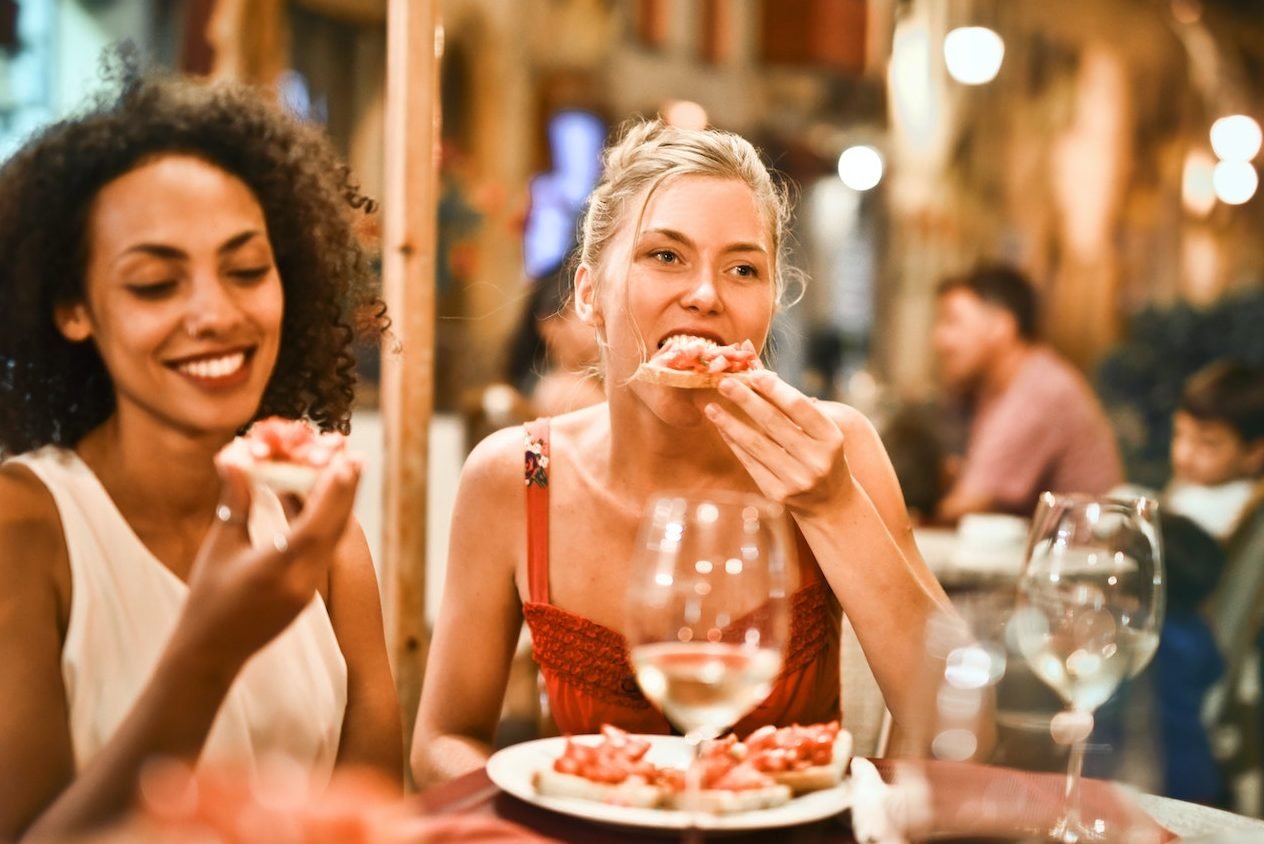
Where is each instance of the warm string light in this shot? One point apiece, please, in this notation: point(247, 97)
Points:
point(1236, 140)
point(860, 167)
point(973, 54)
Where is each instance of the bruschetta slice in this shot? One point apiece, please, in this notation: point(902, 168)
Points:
point(696, 363)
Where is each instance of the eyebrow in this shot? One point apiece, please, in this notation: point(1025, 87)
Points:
point(680, 237)
point(162, 250)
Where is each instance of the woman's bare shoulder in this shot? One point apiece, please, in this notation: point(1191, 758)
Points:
point(31, 537)
point(496, 460)
point(27, 509)
point(849, 420)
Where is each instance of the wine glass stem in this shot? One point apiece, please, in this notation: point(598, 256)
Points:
point(693, 790)
point(1069, 827)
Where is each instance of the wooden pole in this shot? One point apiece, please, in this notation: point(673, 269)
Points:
point(413, 44)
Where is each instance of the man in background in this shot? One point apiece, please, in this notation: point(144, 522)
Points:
point(1035, 424)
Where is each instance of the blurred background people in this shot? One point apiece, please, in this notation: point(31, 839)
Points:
point(1035, 423)
point(553, 357)
point(919, 458)
point(1218, 446)
point(1188, 662)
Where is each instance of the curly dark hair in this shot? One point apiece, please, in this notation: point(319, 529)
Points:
point(55, 391)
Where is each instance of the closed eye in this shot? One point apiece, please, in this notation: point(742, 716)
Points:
point(152, 290)
point(250, 274)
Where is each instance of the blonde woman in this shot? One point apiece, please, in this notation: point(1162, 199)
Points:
point(684, 235)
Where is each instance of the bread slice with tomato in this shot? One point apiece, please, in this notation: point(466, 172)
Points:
point(609, 769)
point(697, 363)
point(804, 758)
point(286, 455)
point(728, 782)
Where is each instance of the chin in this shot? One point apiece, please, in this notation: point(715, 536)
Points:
point(678, 408)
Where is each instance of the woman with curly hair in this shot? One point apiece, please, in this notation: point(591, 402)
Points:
point(179, 262)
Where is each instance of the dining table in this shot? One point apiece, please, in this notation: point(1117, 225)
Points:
point(967, 801)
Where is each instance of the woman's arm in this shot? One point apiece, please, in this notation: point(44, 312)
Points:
point(371, 731)
point(36, 756)
point(825, 462)
point(240, 598)
point(480, 617)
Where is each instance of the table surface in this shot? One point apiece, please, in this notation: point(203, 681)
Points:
point(475, 794)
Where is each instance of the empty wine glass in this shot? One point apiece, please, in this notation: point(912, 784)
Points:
point(1090, 604)
point(707, 614)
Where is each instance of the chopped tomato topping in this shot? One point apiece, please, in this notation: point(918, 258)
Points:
point(614, 759)
point(293, 441)
point(695, 354)
point(792, 748)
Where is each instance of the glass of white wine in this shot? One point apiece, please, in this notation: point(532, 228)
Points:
point(707, 611)
point(1090, 606)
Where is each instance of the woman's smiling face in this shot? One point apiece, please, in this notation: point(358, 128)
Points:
point(700, 262)
point(182, 297)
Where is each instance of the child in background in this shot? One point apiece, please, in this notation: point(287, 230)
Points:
point(1188, 663)
point(1218, 446)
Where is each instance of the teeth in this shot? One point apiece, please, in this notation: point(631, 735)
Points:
point(214, 367)
point(689, 340)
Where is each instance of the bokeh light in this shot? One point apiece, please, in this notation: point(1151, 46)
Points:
point(860, 167)
point(1236, 138)
point(973, 54)
point(1235, 181)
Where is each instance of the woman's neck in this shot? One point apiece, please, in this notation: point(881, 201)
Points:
point(154, 471)
point(648, 453)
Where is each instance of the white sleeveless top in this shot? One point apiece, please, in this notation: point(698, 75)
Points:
point(289, 698)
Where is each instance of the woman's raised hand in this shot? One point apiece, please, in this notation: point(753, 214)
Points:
point(240, 596)
point(792, 449)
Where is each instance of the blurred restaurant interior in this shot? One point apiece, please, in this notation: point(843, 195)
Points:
point(1107, 148)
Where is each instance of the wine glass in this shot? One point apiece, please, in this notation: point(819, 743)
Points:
point(1090, 604)
point(707, 611)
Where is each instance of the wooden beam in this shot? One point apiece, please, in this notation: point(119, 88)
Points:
point(408, 272)
point(352, 11)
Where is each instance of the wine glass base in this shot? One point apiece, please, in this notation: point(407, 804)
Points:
point(1068, 831)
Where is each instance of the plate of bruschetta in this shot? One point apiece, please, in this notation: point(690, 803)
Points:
point(775, 777)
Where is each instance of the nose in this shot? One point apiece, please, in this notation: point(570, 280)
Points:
point(703, 295)
point(210, 309)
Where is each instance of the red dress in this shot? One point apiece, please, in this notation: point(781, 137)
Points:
point(585, 665)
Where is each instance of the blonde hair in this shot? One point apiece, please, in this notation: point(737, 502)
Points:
point(648, 153)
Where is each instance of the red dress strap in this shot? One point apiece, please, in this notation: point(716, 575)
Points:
point(536, 475)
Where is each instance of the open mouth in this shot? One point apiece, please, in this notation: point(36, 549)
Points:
point(213, 367)
point(706, 339)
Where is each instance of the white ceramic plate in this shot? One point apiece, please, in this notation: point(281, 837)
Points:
point(512, 767)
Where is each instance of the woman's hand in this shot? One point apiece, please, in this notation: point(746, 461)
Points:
point(240, 597)
point(791, 448)
point(277, 803)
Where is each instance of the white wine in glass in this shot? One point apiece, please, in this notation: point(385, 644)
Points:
point(707, 607)
point(1089, 612)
